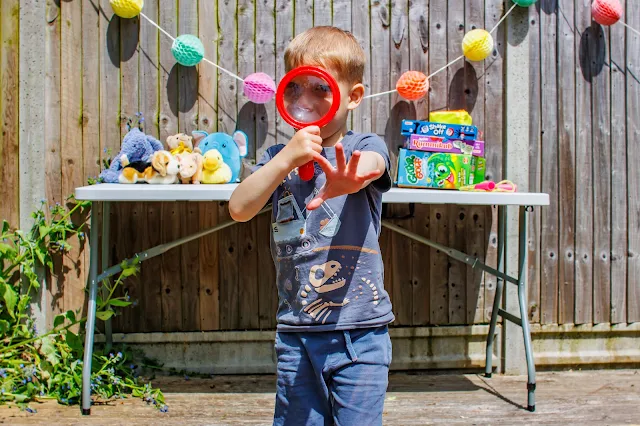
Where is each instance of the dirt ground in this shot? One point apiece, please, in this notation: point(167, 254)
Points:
point(563, 398)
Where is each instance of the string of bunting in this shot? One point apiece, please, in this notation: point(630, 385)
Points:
point(260, 88)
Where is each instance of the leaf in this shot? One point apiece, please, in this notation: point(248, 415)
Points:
point(4, 327)
point(48, 349)
point(104, 315)
point(40, 256)
point(58, 320)
point(71, 316)
point(5, 226)
point(75, 343)
point(44, 230)
point(119, 302)
point(127, 272)
point(8, 294)
point(5, 248)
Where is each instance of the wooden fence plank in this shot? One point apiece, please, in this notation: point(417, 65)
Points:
point(494, 137)
point(171, 212)
point(401, 253)
point(208, 121)
point(566, 161)
point(601, 117)
point(71, 132)
point(360, 26)
point(456, 215)
point(473, 94)
point(633, 135)
point(535, 164)
point(247, 232)
point(619, 220)
point(341, 10)
point(187, 123)
point(303, 15)
point(266, 137)
point(227, 116)
point(420, 269)
point(584, 156)
point(549, 231)
point(150, 277)
point(131, 216)
point(321, 12)
point(438, 223)
point(9, 112)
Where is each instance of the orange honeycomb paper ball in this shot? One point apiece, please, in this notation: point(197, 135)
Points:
point(606, 12)
point(412, 85)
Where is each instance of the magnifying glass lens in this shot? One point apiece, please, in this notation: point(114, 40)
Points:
point(308, 98)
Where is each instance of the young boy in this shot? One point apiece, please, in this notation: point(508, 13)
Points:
point(332, 340)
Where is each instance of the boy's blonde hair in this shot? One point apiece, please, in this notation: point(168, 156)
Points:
point(329, 47)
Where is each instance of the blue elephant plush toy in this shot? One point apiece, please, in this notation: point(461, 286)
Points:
point(232, 148)
point(136, 147)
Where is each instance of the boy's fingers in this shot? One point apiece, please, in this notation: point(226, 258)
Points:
point(352, 167)
point(374, 174)
point(316, 202)
point(324, 163)
point(340, 160)
point(314, 130)
point(316, 139)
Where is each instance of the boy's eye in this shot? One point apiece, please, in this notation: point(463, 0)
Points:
point(322, 89)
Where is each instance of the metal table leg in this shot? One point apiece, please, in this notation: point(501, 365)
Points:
point(91, 314)
point(104, 251)
point(497, 300)
point(522, 301)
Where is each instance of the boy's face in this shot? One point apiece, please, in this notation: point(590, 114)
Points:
point(308, 99)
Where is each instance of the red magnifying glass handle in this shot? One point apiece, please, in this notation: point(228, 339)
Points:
point(306, 171)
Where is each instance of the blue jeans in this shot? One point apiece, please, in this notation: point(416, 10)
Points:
point(332, 378)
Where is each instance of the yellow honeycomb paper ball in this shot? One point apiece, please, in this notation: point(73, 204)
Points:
point(477, 45)
point(127, 8)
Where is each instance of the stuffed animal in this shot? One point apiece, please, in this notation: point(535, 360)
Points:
point(180, 144)
point(162, 170)
point(190, 167)
point(214, 168)
point(136, 147)
point(232, 149)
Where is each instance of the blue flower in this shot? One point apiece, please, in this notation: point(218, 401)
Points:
point(105, 150)
point(80, 363)
point(164, 409)
point(24, 382)
point(31, 410)
point(186, 377)
point(64, 400)
point(135, 303)
point(132, 366)
point(119, 355)
point(43, 200)
point(28, 379)
point(3, 373)
point(21, 365)
point(41, 393)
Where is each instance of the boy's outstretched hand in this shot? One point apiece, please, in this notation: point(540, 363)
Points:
point(346, 179)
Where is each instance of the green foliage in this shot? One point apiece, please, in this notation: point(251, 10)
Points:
point(49, 365)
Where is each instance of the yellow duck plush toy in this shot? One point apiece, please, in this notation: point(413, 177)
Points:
point(215, 170)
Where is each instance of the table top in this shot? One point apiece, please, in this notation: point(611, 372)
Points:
point(144, 192)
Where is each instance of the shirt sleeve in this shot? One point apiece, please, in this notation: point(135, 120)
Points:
point(271, 152)
point(373, 142)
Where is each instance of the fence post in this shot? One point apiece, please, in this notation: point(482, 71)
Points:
point(31, 135)
point(516, 166)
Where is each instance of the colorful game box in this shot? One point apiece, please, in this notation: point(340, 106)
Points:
point(420, 169)
point(478, 170)
point(445, 131)
point(439, 144)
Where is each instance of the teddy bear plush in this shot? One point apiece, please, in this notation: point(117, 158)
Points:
point(137, 148)
point(180, 144)
point(190, 167)
point(214, 168)
point(163, 170)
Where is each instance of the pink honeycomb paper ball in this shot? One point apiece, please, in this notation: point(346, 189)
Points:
point(259, 88)
point(606, 12)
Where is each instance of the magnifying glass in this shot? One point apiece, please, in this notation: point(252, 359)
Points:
point(307, 96)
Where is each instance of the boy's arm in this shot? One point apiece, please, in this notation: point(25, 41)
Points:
point(371, 161)
point(254, 192)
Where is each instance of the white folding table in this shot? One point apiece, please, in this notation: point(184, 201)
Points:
point(110, 193)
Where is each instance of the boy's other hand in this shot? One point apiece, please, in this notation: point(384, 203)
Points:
point(342, 180)
point(302, 146)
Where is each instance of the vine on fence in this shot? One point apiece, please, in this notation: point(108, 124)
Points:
point(48, 365)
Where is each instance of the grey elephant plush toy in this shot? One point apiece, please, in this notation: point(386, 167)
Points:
point(136, 147)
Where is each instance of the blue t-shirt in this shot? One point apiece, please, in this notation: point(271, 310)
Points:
point(329, 268)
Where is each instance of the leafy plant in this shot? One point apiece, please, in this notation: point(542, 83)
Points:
point(49, 365)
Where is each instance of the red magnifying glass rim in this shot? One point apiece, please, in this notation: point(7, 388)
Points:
point(316, 72)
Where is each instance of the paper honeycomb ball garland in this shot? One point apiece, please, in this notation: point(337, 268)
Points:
point(412, 85)
point(524, 3)
point(606, 12)
point(259, 88)
point(477, 45)
point(188, 50)
point(127, 8)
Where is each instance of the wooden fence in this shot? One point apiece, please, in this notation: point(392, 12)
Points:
point(101, 70)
